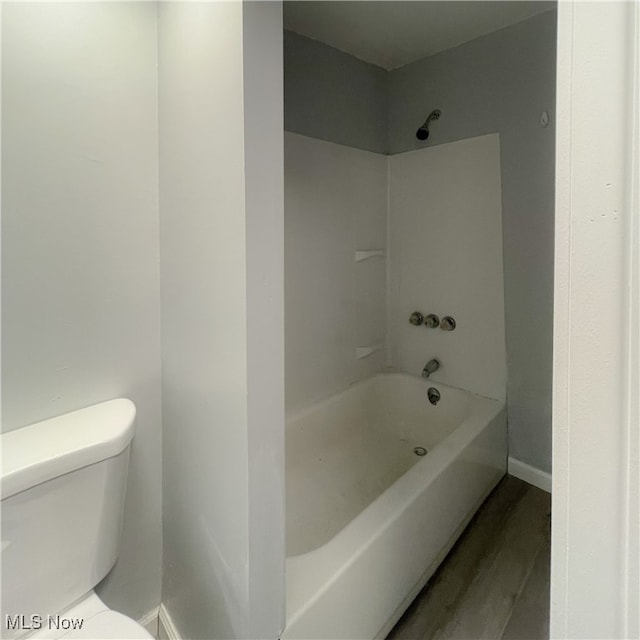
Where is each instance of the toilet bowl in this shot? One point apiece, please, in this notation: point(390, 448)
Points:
point(91, 619)
point(63, 486)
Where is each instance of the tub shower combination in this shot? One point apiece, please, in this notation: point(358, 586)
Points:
point(369, 516)
point(384, 466)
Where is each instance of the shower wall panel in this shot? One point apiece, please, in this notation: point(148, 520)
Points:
point(445, 245)
point(335, 205)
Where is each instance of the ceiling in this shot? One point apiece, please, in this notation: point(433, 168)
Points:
point(391, 34)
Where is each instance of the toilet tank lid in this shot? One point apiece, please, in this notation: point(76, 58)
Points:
point(48, 449)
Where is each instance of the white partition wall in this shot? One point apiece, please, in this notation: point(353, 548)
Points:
point(220, 97)
point(445, 246)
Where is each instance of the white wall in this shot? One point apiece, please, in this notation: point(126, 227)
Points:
point(80, 294)
point(595, 590)
point(335, 204)
point(222, 326)
point(445, 245)
point(264, 207)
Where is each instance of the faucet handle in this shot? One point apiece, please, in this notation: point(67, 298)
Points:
point(416, 318)
point(448, 323)
point(432, 321)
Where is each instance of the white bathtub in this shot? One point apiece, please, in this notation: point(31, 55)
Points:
point(368, 520)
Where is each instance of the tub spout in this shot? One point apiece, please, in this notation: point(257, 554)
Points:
point(430, 367)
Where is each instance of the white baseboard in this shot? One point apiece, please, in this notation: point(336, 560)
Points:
point(526, 472)
point(166, 629)
point(150, 621)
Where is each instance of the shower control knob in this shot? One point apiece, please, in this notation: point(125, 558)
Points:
point(448, 323)
point(416, 318)
point(432, 321)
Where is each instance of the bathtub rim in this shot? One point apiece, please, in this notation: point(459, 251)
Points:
point(322, 403)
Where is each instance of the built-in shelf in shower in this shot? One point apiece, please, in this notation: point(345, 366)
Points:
point(371, 253)
point(363, 352)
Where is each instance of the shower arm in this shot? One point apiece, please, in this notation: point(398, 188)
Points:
point(423, 132)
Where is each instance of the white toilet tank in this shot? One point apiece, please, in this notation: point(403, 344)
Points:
point(63, 487)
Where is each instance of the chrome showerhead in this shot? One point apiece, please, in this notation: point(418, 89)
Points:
point(423, 132)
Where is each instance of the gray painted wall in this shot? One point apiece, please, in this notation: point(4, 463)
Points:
point(498, 83)
point(501, 83)
point(80, 276)
point(332, 96)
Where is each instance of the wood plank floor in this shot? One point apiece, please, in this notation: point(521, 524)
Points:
point(494, 584)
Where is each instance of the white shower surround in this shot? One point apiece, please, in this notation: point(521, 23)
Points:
point(445, 245)
point(396, 515)
point(335, 205)
point(361, 534)
point(436, 214)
